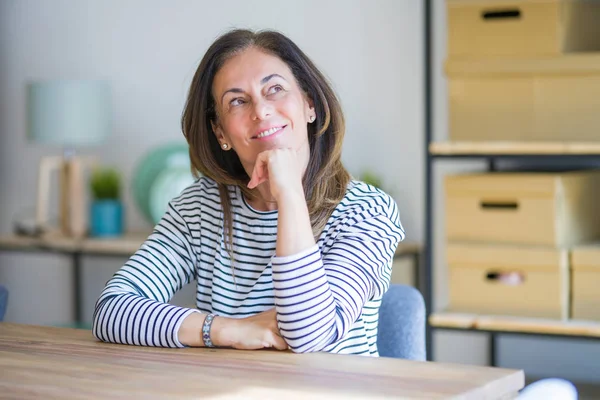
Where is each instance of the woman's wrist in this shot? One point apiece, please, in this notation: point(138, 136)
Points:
point(190, 330)
point(292, 199)
point(293, 193)
point(294, 231)
point(223, 331)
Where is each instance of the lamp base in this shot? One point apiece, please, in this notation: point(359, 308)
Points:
point(72, 208)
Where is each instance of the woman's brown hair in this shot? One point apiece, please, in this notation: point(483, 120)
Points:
point(325, 179)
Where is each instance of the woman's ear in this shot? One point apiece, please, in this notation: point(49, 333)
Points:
point(309, 102)
point(217, 131)
point(311, 114)
point(220, 136)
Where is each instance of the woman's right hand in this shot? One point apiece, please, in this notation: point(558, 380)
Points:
point(251, 333)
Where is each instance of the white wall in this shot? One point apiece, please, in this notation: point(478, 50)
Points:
point(371, 51)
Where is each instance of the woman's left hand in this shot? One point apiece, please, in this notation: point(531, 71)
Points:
point(283, 168)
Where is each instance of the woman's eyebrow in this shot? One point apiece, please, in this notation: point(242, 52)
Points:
point(269, 77)
point(232, 90)
point(262, 82)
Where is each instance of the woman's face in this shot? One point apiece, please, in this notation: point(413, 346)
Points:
point(260, 106)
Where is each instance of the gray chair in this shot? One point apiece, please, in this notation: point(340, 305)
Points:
point(3, 301)
point(401, 332)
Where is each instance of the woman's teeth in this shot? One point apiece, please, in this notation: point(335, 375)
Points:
point(268, 132)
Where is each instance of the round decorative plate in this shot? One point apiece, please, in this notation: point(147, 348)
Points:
point(167, 185)
point(160, 176)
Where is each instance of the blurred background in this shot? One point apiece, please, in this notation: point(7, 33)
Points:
point(148, 53)
point(371, 50)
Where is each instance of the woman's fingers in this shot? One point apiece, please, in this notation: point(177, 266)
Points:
point(281, 168)
point(273, 337)
point(260, 171)
point(260, 331)
point(278, 342)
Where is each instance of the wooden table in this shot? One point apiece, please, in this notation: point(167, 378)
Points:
point(47, 362)
point(125, 246)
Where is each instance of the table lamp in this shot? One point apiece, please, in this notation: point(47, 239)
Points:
point(69, 114)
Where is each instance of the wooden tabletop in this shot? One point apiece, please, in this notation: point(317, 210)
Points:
point(61, 363)
point(125, 245)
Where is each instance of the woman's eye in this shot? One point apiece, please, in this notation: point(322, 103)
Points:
point(236, 102)
point(275, 89)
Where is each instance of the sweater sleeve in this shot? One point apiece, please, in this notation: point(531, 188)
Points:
point(319, 297)
point(132, 308)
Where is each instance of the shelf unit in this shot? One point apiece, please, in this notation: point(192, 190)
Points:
point(496, 325)
point(569, 155)
point(574, 154)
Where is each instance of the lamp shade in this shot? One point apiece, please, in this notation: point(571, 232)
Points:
point(69, 113)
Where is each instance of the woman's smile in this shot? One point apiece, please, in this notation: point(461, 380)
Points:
point(270, 133)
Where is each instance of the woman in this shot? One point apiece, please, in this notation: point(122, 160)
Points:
point(287, 250)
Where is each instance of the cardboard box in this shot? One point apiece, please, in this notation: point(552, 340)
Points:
point(553, 209)
point(586, 282)
point(509, 280)
point(541, 99)
point(501, 28)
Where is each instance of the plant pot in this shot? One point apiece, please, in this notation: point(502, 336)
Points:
point(106, 218)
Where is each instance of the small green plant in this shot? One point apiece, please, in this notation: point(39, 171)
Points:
point(371, 179)
point(106, 184)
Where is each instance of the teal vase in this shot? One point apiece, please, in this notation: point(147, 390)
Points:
point(106, 218)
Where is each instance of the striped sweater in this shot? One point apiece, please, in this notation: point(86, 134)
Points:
point(327, 297)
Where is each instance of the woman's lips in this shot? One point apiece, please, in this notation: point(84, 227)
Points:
point(271, 133)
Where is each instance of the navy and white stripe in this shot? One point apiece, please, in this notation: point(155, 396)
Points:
point(327, 297)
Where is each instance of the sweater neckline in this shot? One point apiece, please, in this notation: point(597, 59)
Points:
point(249, 210)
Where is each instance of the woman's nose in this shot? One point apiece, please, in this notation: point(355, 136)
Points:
point(262, 109)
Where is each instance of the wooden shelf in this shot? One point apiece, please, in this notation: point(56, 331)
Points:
point(408, 248)
point(508, 324)
point(125, 245)
point(513, 148)
point(120, 246)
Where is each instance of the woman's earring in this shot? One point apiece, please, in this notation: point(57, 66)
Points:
point(225, 146)
point(311, 119)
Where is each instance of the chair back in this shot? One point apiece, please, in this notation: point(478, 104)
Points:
point(3, 301)
point(401, 332)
